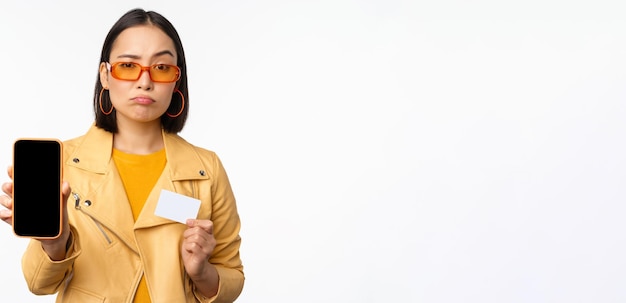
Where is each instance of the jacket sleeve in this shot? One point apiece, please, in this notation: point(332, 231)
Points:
point(226, 226)
point(43, 275)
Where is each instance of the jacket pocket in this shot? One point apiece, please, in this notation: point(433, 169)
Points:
point(97, 232)
point(107, 241)
point(103, 232)
point(83, 296)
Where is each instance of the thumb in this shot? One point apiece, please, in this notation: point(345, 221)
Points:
point(65, 188)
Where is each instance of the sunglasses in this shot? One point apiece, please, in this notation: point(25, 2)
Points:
point(131, 71)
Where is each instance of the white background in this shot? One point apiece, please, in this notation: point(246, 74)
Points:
point(380, 150)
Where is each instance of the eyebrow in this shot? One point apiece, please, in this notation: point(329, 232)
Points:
point(161, 53)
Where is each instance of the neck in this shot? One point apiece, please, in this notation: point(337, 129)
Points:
point(138, 138)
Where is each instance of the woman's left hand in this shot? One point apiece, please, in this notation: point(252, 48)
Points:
point(197, 247)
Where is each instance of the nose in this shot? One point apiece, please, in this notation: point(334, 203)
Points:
point(144, 81)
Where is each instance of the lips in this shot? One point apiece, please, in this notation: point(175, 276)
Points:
point(143, 100)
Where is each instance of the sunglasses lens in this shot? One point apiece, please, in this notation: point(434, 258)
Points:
point(126, 71)
point(164, 73)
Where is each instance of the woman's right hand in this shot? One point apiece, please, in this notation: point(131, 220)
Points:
point(55, 248)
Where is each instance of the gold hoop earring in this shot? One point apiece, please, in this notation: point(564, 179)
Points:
point(102, 109)
point(182, 105)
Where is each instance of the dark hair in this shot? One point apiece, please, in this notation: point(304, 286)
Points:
point(133, 18)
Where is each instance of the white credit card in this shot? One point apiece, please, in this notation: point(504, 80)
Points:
point(177, 207)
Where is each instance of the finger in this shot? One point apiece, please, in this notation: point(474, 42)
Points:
point(198, 247)
point(196, 234)
point(10, 171)
point(6, 216)
point(7, 188)
point(6, 201)
point(66, 189)
point(206, 225)
point(192, 245)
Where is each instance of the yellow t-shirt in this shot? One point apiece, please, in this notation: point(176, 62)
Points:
point(139, 174)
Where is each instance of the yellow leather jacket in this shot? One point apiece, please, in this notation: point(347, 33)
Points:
point(109, 250)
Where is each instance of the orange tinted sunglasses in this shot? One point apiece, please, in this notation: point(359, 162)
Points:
point(131, 71)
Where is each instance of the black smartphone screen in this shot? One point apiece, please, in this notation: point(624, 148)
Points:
point(37, 175)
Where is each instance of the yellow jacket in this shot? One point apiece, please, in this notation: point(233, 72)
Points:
point(105, 259)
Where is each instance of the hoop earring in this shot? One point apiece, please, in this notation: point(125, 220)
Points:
point(182, 105)
point(102, 109)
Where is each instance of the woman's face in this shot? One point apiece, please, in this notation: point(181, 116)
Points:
point(141, 100)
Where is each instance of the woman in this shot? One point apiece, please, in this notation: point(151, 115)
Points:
point(113, 247)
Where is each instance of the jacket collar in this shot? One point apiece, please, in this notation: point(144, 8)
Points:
point(94, 154)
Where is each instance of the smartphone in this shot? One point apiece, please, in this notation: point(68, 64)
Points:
point(37, 181)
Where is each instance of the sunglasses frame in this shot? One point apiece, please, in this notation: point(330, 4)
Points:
point(143, 68)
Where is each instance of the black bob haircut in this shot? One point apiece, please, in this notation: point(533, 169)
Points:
point(132, 18)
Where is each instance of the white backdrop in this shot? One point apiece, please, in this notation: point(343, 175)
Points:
point(380, 150)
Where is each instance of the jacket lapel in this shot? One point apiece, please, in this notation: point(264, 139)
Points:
point(147, 218)
point(183, 164)
point(102, 186)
